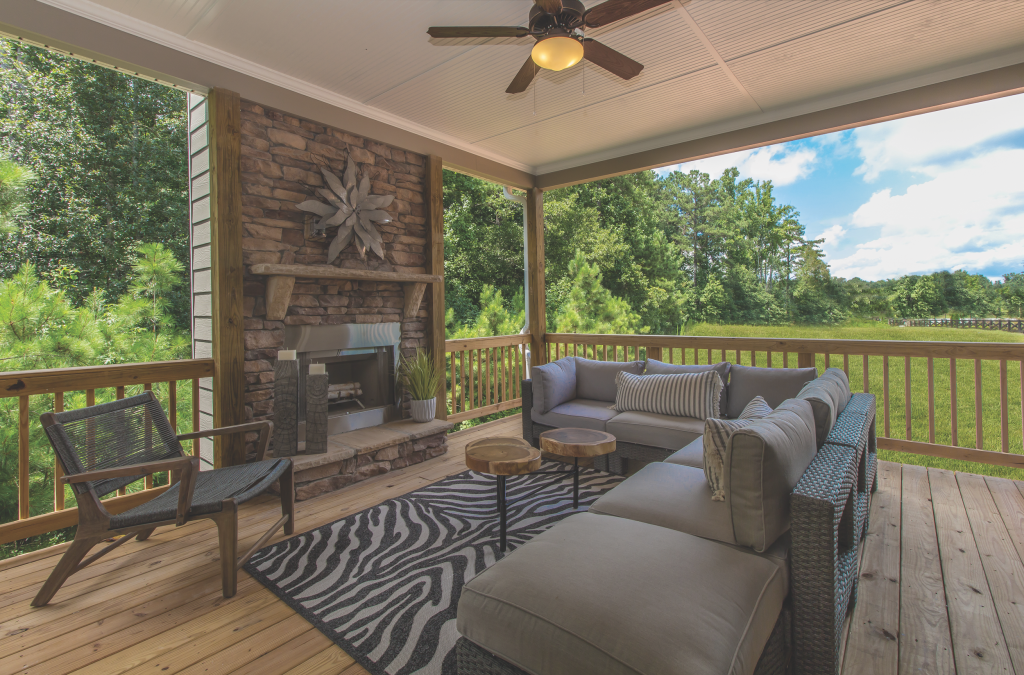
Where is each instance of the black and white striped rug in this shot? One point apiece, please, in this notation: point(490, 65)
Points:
point(384, 584)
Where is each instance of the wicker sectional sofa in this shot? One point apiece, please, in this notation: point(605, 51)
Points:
point(658, 578)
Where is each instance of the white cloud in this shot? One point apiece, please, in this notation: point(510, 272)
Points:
point(921, 142)
point(833, 234)
point(780, 164)
point(970, 216)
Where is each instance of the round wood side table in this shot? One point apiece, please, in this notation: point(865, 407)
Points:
point(502, 457)
point(576, 443)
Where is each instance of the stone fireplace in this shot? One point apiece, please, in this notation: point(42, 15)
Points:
point(357, 315)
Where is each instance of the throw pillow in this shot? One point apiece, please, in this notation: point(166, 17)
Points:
point(682, 395)
point(716, 437)
point(655, 367)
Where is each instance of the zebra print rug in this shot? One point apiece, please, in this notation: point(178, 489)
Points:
point(384, 584)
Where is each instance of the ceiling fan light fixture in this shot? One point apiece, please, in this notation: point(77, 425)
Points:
point(557, 53)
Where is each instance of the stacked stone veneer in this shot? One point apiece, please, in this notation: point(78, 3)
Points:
point(281, 156)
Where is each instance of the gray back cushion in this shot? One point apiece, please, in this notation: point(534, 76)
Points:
point(655, 367)
point(774, 385)
point(554, 384)
point(828, 396)
point(595, 380)
point(763, 463)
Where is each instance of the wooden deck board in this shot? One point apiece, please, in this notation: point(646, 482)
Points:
point(155, 606)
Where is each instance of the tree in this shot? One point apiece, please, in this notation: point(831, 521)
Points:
point(591, 308)
point(14, 180)
point(110, 153)
point(1013, 291)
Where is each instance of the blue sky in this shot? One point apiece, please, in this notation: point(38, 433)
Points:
point(944, 190)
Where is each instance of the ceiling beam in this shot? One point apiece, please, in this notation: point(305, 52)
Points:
point(982, 86)
point(680, 6)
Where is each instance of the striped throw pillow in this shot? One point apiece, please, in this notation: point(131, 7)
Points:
point(716, 439)
point(681, 395)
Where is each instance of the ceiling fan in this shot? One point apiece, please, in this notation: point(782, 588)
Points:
point(558, 26)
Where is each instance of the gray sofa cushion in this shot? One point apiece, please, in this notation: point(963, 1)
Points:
point(716, 438)
point(825, 396)
point(659, 431)
point(595, 380)
point(597, 594)
point(553, 384)
point(691, 454)
point(837, 375)
point(655, 367)
point(579, 413)
point(775, 385)
point(764, 461)
point(678, 497)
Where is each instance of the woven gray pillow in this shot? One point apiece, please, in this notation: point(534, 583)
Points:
point(716, 437)
point(684, 395)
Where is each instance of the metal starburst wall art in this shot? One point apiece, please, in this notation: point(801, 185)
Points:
point(352, 209)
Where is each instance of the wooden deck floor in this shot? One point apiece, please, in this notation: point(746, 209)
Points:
point(941, 590)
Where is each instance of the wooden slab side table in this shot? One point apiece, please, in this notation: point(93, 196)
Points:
point(502, 457)
point(576, 443)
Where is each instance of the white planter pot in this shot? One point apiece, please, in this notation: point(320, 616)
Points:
point(423, 411)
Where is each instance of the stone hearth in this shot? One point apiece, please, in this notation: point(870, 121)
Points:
point(357, 455)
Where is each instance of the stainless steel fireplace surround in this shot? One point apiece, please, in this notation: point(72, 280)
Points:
point(361, 362)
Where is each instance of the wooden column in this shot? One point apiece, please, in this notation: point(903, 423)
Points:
point(226, 253)
point(435, 201)
point(535, 253)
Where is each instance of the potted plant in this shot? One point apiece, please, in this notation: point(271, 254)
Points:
point(422, 380)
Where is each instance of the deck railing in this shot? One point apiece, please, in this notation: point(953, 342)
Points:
point(39, 391)
point(1012, 325)
point(958, 400)
point(484, 375)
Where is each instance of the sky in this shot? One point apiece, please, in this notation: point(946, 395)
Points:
point(939, 191)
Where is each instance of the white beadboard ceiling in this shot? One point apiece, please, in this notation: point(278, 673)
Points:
point(751, 61)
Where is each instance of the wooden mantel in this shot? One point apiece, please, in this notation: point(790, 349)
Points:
point(282, 280)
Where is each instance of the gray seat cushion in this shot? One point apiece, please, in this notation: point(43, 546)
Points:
point(595, 380)
point(655, 367)
point(844, 394)
point(659, 431)
point(579, 413)
point(679, 498)
point(597, 594)
point(775, 385)
point(553, 384)
point(692, 454)
point(763, 463)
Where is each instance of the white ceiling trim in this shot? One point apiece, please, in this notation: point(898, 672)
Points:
point(1008, 58)
point(147, 31)
point(681, 8)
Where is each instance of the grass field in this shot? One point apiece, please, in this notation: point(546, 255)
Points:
point(919, 386)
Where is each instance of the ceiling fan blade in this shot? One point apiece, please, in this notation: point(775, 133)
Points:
point(523, 78)
point(549, 6)
point(613, 10)
point(614, 62)
point(477, 31)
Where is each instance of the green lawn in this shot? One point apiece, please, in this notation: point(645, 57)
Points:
point(919, 386)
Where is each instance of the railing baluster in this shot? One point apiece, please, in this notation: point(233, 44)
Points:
point(768, 357)
point(864, 375)
point(846, 365)
point(451, 355)
point(753, 358)
point(195, 415)
point(172, 397)
point(931, 401)
point(723, 355)
point(58, 470)
point(953, 413)
point(1004, 407)
point(147, 481)
point(739, 361)
point(885, 392)
point(907, 393)
point(23, 501)
point(828, 360)
point(785, 359)
point(979, 434)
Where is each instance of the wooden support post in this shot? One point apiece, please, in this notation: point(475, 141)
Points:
point(535, 255)
point(226, 251)
point(435, 201)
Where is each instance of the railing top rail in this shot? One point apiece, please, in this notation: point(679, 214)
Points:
point(963, 350)
point(484, 342)
point(48, 381)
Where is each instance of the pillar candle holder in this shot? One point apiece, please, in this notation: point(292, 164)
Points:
point(316, 413)
point(286, 407)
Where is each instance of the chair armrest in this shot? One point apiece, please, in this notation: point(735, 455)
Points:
point(265, 427)
point(173, 464)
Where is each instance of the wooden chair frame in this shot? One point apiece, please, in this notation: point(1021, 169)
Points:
point(94, 519)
